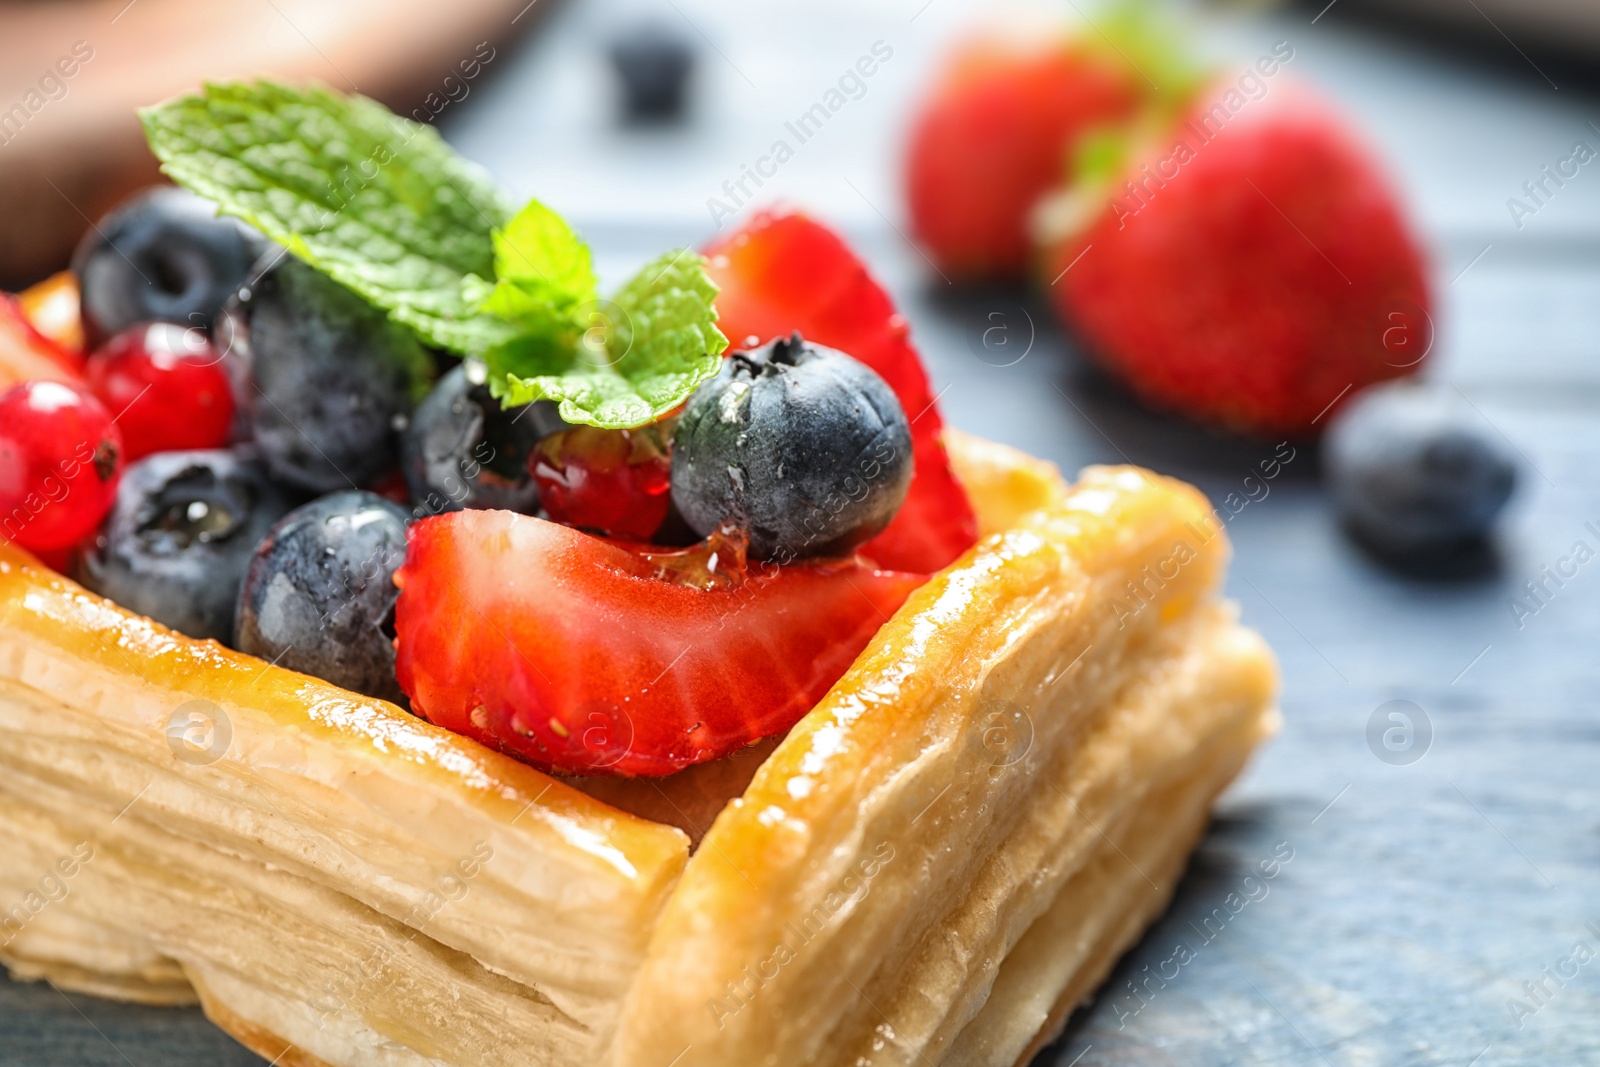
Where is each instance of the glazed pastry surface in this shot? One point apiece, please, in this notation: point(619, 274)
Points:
point(858, 899)
point(954, 846)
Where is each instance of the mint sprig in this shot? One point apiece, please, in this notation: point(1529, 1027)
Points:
point(383, 206)
point(544, 271)
point(624, 361)
point(377, 202)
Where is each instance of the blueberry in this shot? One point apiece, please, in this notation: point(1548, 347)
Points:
point(653, 63)
point(163, 256)
point(326, 379)
point(1412, 470)
point(179, 537)
point(463, 450)
point(805, 448)
point(319, 595)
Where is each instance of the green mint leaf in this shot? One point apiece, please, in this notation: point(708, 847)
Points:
point(544, 271)
point(383, 206)
point(379, 203)
point(629, 360)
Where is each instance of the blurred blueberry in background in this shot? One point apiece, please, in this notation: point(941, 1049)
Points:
point(653, 63)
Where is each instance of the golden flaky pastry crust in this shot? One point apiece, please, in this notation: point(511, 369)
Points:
point(935, 865)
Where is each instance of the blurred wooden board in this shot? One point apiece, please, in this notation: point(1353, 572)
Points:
point(72, 74)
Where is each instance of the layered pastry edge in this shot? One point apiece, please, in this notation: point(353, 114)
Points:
point(608, 901)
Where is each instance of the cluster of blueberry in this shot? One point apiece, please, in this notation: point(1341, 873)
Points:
point(269, 451)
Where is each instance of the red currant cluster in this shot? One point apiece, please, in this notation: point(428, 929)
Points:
point(68, 429)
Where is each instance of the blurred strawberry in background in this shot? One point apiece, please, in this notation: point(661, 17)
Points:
point(994, 136)
point(1224, 245)
point(1247, 268)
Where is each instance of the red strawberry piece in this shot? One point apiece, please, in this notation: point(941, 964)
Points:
point(784, 272)
point(1259, 271)
point(26, 354)
point(995, 136)
point(52, 309)
point(584, 657)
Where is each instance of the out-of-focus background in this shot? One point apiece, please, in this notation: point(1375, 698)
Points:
point(1431, 891)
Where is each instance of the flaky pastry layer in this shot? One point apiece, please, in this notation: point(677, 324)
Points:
point(951, 849)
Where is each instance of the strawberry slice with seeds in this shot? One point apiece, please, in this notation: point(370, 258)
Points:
point(585, 657)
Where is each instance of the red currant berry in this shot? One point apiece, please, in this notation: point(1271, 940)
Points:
point(613, 482)
point(166, 386)
point(60, 457)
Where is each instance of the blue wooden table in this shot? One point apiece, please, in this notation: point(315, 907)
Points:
point(1428, 903)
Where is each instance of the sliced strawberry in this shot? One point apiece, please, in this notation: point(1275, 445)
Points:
point(27, 355)
point(584, 657)
point(52, 309)
point(783, 272)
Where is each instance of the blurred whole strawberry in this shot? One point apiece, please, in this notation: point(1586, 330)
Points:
point(994, 135)
point(1248, 267)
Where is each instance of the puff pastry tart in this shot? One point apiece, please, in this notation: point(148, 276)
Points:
point(887, 766)
point(935, 865)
